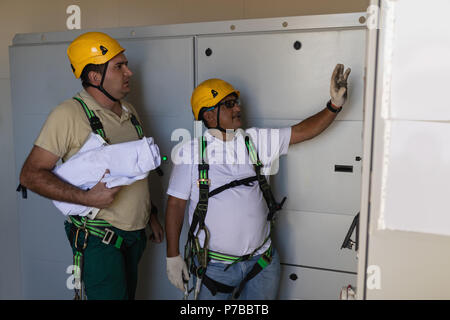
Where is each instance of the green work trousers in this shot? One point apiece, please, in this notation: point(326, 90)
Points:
point(109, 273)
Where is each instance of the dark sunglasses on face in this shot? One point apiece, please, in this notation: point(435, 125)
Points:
point(228, 103)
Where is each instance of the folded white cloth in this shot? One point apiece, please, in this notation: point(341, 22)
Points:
point(127, 162)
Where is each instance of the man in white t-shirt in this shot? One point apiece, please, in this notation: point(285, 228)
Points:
point(229, 250)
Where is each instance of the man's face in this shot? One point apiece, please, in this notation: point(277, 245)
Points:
point(230, 116)
point(117, 77)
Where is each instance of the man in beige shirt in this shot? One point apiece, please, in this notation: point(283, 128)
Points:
point(106, 250)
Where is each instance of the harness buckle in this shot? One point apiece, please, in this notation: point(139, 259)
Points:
point(203, 180)
point(108, 236)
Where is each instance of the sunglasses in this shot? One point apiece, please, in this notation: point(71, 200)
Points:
point(228, 103)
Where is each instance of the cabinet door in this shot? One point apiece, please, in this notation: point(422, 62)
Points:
point(309, 284)
point(162, 83)
point(284, 78)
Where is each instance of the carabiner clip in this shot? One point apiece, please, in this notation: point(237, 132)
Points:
point(86, 234)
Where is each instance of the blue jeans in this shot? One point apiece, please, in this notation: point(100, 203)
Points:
point(264, 286)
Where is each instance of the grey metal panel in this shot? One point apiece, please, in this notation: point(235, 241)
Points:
point(46, 279)
point(278, 82)
point(165, 68)
point(10, 277)
point(163, 77)
point(312, 284)
point(307, 174)
point(153, 282)
point(281, 86)
point(314, 239)
point(41, 78)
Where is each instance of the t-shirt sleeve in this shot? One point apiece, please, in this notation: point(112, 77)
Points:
point(270, 143)
point(54, 136)
point(180, 182)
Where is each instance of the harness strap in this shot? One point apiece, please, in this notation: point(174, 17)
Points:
point(97, 126)
point(246, 181)
point(216, 286)
point(94, 121)
point(272, 204)
point(99, 228)
point(192, 243)
point(262, 263)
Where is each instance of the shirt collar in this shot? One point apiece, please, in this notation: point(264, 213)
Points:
point(89, 100)
point(94, 106)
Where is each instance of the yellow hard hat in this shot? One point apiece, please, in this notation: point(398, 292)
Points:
point(92, 47)
point(209, 93)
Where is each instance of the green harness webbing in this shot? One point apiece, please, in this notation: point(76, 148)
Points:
point(203, 254)
point(98, 228)
point(97, 126)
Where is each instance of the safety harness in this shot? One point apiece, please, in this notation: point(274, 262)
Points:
point(86, 227)
point(193, 248)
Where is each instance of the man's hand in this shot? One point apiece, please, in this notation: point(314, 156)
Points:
point(100, 196)
point(338, 87)
point(177, 271)
point(157, 235)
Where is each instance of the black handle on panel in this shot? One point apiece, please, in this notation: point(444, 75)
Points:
point(342, 168)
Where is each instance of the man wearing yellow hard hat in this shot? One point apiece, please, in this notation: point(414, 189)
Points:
point(107, 243)
point(231, 207)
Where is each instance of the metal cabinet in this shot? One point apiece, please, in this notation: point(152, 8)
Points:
point(283, 71)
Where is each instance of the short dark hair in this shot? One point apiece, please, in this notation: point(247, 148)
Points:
point(90, 67)
point(200, 117)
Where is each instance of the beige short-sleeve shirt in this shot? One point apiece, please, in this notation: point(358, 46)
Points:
point(65, 131)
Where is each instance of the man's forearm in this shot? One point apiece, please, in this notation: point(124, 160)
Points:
point(312, 126)
point(47, 184)
point(174, 224)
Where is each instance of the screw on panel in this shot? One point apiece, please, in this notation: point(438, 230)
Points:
point(285, 24)
point(232, 27)
point(208, 52)
point(362, 19)
point(293, 276)
point(297, 45)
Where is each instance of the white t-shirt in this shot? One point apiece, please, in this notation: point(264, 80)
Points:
point(237, 217)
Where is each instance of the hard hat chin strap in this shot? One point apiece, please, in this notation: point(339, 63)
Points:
point(100, 87)
point(218, 123)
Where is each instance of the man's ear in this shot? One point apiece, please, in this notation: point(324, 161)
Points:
point(210, 117)
point(94, 77)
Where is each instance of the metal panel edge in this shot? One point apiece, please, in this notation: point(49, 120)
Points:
point(370, 76)
point(342, 20)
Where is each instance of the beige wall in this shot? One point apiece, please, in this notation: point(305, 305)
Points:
point(26, 16)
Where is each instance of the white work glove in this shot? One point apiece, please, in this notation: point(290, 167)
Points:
point(177, 271)
point(338, 86)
